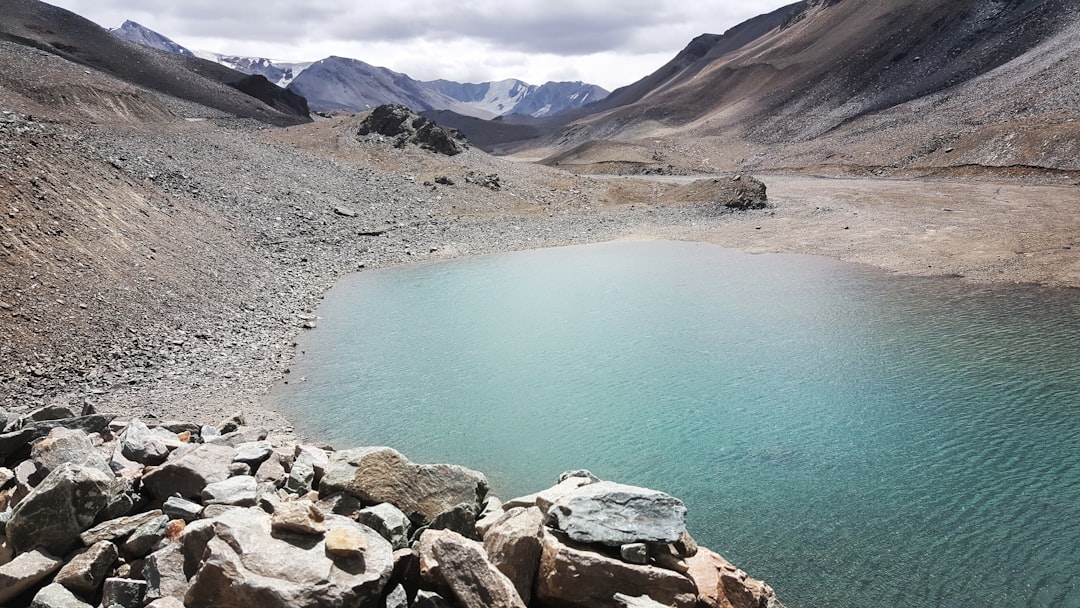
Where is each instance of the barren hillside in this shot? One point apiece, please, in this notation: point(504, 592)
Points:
point(856, 83)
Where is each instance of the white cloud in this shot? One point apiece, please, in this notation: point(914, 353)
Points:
point(607, 42)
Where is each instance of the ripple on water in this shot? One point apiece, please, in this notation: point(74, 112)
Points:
point(853, 438)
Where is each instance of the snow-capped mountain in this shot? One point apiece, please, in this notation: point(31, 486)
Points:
point(338, 83)
point(513, 96)
point(133, 32)
point(280, 73)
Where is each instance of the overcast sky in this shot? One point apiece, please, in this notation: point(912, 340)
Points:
point(607, 42)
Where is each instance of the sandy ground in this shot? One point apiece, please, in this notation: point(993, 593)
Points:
point(978, 230)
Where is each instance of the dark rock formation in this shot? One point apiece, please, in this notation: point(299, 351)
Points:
point(407, 127)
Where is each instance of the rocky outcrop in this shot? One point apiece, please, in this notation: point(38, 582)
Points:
point(739, 192)
point(614, 514)
point(320, 528)
point(573, 576)
point(408, 127)
point(421, 491)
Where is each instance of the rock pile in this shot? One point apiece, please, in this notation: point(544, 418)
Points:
point(408, 127)
point(96, 511)
point(739, 192)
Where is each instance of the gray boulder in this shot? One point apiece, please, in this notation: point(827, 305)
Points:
point(388, 521)
point(298, 517)
point(24, 572)
point(85, 573)
point(459, 518)
point(64, 504)
point(239, 563)
point(123, 592)
point(615, 514)
point(138, 443)
point(164, 573)
point(575, 577)
point(181, 508)
point(189, 470)
point(407, 127)
point(237, 491)
point(67, 445)
point(514, 544)
point(57, 596)
point(118, 528)
point(253, 453)
point(16, 441)
point(452, 562)
point(421, 491)
point(143, 538)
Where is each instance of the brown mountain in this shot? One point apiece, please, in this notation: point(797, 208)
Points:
point(867, 83)
point(64, 34)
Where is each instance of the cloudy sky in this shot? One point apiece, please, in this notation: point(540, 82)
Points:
point(607, 42)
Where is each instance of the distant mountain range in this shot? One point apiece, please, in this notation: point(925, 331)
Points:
point(338, 83)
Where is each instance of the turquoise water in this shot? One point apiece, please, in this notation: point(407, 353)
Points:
point(856, 439)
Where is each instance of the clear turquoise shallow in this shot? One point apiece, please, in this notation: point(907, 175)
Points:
point(856, 439)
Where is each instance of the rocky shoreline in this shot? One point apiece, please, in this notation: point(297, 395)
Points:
point(97, 510)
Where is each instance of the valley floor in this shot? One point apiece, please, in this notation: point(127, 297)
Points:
point(200, 320)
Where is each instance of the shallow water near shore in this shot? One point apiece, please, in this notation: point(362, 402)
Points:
point(853, 438)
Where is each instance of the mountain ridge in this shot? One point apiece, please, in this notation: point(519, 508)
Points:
point(360, 86)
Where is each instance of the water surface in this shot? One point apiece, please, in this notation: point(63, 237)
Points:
point(854, 438)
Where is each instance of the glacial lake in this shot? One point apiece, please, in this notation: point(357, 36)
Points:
point(852, 437)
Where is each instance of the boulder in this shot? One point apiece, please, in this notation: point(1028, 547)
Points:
point(298, 517)
point(388, 521)
point(570, 576)
point(237, 491)
point(181, 508)
point(85, 573)
point(397, 598)
point(739, 192)
point(57, 596)
point(144, 538)
point(271, 471)
point(124, 592)
point(53, 411)
point(615, 514)
point(188, 470)
point(421, 491)
point(302, 473)
point(492, 511)
point(67, 445)
point(459, 518)
point(14, 442)
point(24, 572)
point(722, 585)
point(239, 563)
point(118, 528)
point(253, 453)
point(243, 434)
point(139, 444)
point(166, 602)
point(164, 573)
point(64, 504)
point(545, 498)
point(452, 562)
point(513, 544)
point(634, 553)
point(407, 127)
point(346, 542)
